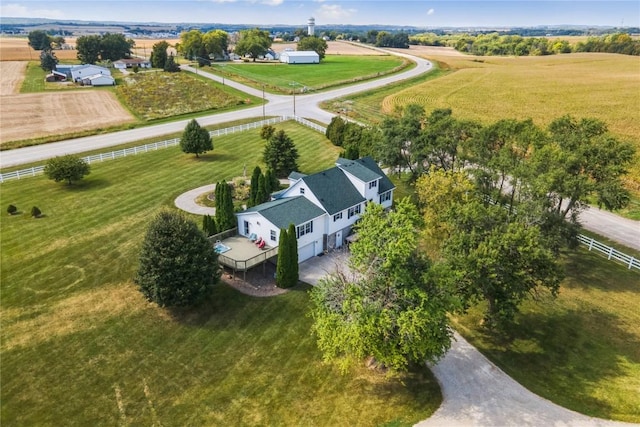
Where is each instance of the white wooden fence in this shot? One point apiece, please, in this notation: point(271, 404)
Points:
point(37, 170)
point(611, 253)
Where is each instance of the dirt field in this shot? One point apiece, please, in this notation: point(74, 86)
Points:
point(11, 76)
point(34, 115)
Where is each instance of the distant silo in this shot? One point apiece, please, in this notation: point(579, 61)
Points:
point(311, 24)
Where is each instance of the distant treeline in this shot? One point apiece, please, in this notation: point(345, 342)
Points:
point(497, 45)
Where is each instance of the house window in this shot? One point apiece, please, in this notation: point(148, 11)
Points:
point(246, 228)
point(303, 229)
point(353, 211)
point(337, 216)
point(373, 184)
point(385, 196)
point(273, 235)
point(301, 190)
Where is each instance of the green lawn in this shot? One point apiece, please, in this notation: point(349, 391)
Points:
point(581, 350)
point(80, 346)
point(334, 70)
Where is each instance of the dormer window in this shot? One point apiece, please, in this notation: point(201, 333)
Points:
point(373, 184)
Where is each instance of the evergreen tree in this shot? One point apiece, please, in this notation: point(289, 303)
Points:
point(281, 154)
point(271, 181)
point(261, 195)
point(282, 267)
point(178, 265)
point(293, 269)
point(255, 177)
point(170, 65)
point(225, 218)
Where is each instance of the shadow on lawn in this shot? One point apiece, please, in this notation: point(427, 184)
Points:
point(563, 361)
point(592, 270)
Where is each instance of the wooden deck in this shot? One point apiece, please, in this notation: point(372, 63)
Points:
point(244, 254)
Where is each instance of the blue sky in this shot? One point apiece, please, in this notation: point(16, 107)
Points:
point(473, 13)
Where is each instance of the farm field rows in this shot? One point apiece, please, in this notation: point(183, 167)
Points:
point(487, 89)
point(98, 353)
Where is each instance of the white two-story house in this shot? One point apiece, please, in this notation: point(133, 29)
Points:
point(323, 207)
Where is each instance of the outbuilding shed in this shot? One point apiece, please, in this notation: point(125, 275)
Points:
point(300, 57)
point(99, 80)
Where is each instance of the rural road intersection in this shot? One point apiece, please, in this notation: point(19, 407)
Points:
point(475, 392)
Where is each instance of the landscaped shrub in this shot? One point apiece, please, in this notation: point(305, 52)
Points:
point(12, 210)
point(35, 212)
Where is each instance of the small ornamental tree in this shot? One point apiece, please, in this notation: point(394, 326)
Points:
point(209, 225)
point(195, 139)
point(36, 212)
point(12, 210)
point(68, 167)
point(271, 181)
point(178, 266)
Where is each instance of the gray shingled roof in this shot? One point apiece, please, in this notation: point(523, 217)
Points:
point(334, 190)
point(357, 166)
point(282, 212)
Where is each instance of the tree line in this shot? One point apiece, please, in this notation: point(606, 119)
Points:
point(516, 45)
point(494, 208)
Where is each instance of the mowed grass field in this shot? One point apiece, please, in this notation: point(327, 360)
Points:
point(581, 350)
point(80, 346)
point(333, 70)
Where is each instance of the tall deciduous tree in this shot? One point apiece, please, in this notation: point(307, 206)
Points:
point(178, 265)
point(115, 46)
point(315, 44)
point(159, 54)
point(39, 40)
point(401, 139)
point(216, 43)
point(491, 257)
point(195, 139)
point(390, 309)
point(48, 60)
point(581, 160)
point(254, 42)
point(88, 48)
point(191, 45)
point(66, 168)
point(281, 154)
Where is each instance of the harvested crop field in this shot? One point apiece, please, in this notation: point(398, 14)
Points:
point(11, 76)
point(334, 48)
point(17, 49)
point(26, 116)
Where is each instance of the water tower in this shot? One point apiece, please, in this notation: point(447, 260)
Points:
point(311, 24)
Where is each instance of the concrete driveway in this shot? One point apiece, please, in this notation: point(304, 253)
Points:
point(475, 391)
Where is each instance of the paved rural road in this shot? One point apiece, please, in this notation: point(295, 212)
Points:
point(476, 392)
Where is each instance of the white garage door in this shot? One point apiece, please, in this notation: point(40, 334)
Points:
point(306, 252)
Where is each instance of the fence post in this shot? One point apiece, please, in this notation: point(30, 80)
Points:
point(591, 243)
point(631, 263)
point(610, 252)
point(18, 174)
point(33, 171)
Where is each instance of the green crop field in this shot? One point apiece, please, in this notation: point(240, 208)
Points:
point(80, 346)
point(334, 70)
